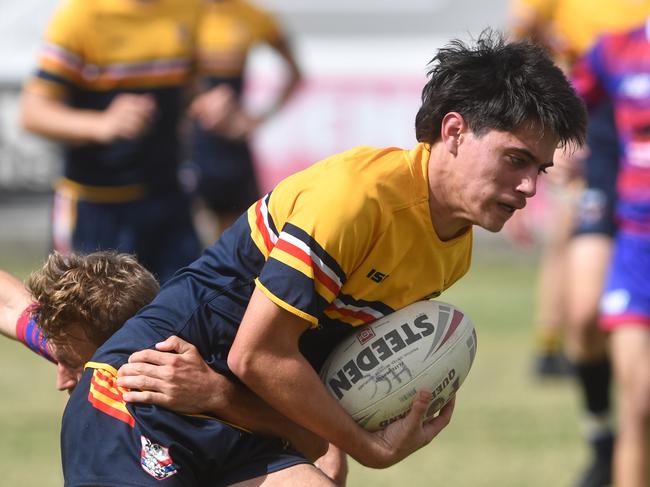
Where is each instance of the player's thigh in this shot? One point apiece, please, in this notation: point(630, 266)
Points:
point(303, 475)
point(630, 347)
point(588, 262)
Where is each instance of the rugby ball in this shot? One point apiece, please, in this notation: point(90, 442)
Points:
point(375, 372)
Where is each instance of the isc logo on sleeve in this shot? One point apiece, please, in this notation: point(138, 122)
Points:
point(376, 276)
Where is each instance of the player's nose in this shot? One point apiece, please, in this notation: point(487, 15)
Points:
point(528, 185)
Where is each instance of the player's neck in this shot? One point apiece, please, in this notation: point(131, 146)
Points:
point(447, 222)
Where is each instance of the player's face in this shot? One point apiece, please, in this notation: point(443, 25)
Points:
point(499, 172)
point(71, 357)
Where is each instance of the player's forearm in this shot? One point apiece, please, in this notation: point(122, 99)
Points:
point(292, 387)
point(53, 119)
point(14, 298)
point(176, 376)
point(293, 79)
point(238, 405)
point(266, 357)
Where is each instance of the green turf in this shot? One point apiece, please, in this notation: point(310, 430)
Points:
point(508, 429)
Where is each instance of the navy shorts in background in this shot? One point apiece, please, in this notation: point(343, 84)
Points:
point(596, 205)
point(159, 230)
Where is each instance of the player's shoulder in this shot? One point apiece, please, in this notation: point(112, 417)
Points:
point(80, 7)
point(395, 176)
point(362, 159)
point(75, 14)
point(258, 19)
point(362, 166)
point(363, 177)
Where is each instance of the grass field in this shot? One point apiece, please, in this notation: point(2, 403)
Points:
point(508, 429)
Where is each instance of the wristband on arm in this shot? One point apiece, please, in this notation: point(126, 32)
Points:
point(28, 332)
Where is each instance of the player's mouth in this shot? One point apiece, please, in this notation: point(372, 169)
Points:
point(510, 208)
point(507, 208)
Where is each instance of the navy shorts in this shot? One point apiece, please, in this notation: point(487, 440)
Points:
point(226, 179)
point(158, 230)
point(627, 294)
point(596, 205)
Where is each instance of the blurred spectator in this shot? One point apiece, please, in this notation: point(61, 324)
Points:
point(534, 20)
point(222, 128)
point(110, 84)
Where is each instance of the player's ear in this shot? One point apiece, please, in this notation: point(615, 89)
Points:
point(451, 129)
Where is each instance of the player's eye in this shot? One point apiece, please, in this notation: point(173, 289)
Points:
point(517, 161)
point(543, 170)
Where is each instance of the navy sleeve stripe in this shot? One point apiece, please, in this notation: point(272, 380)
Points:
point(315, 249)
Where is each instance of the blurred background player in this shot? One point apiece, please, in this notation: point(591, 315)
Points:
point(618, 68)
point(569, 28)
point(74, 303)
point(220, 151)
point(533, 19)
point(110, 86)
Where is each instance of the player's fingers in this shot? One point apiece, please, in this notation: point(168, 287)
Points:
point(142, 383)
point(154, 357)
point(132, 126)
point(154, 374)
point(412, 422)
point(420, 405)
point(175, 344)
point(135, 368)
point(146, 397)
point(149, 101)
point(438, 423)
point(171, 344)
point(195, 107)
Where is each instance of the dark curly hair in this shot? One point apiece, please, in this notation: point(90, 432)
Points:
point(499, 85)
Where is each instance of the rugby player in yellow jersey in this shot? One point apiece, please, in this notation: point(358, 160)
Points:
point(348, 240)
point(227, 33)
point(111, 87)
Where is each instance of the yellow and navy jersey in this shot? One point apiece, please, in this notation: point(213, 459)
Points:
point(96, 49)
point(340, 244)
point(228, 30)
point(351, 239)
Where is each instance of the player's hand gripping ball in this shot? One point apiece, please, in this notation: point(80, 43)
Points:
point(376, 371)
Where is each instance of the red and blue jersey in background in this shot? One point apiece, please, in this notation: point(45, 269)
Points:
point(618, 67)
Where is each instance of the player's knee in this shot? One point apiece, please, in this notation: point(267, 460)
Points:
point(638, 407)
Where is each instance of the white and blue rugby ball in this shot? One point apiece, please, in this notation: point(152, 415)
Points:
point(375, 372)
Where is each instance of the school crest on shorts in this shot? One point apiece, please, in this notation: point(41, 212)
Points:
point(155, 460)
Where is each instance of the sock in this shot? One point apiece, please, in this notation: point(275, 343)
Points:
point(595, 379)
point(548, 341)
